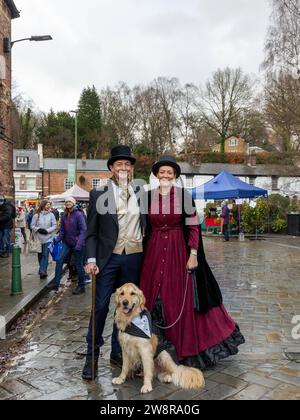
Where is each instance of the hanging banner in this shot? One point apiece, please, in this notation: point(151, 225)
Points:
point(71, 172)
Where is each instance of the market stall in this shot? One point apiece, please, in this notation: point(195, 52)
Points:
point(226, 186)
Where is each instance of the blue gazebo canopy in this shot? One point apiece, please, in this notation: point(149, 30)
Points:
point(225, 185)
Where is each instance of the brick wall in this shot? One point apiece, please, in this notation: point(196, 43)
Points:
point(6, 146)
point(54, 181)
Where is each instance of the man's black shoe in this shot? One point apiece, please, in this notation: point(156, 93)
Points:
point(87, 373)
point(116, 359)
point(79, 291)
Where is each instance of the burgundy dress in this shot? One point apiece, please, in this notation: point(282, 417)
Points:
point(197, 338)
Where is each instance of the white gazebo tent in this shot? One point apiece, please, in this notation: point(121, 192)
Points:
point(75, 192)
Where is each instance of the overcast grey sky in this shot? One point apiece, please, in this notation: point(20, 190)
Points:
point(102, 42)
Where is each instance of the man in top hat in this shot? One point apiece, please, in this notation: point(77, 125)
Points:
point(114, 245)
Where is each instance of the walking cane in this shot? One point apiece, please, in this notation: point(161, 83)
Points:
point(93, 323)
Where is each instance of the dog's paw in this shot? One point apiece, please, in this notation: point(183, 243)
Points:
point(165, 378)
point(146, 388)
point(118, 381)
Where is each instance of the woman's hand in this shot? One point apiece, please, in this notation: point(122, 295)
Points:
point(192, 263)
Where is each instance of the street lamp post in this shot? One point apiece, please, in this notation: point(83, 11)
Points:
point(8, 44)
point(16, 280)
point(76, 142)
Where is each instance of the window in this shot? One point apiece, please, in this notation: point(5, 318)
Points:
point(252, 180)
point(233, 142)
point(30, 184)
point(68, 184)
point(22, 160)
point(275, 183)
point(96, 183)
point(189, 182)
point(17, 184)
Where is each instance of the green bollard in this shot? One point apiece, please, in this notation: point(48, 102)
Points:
point(16, 277)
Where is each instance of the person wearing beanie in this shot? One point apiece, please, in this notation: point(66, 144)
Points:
point(43, 225)
point(72, 234)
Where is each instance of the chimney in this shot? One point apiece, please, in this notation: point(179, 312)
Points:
point(251, 159)
point(83, 159)
point(41, 155)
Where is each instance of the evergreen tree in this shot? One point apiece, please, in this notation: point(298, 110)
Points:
point(89, 122)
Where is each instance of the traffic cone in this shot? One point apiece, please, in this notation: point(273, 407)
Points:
point(16, 276)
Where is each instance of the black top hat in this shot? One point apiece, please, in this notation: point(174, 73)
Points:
point(120, 152)
point(166, 161)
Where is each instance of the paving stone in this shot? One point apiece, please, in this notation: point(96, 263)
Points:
point(183, 394)
point(43, 385)
point(31, 395)
point(273, 337)
point(66, 356)
point(71, 348)
point(126, 393)
point(252, 392)
point(209, 385)
point(15, 387)
point(285, 392)
point(221, 392)
point(291, 371)
point(229, 380)
point(159, 393)
point(286, 378)
point(260, 380)
point(50, 351)
point(65, 394)
point(4, 394)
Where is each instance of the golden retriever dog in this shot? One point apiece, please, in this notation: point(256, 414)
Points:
point(139, 352)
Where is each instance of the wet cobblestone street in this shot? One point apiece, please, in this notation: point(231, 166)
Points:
point(260, 282)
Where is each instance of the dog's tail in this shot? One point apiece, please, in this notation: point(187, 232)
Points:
point(182, 376)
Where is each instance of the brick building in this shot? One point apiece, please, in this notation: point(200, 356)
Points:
point(233, 144)
point(8, 11)
point(90, 174)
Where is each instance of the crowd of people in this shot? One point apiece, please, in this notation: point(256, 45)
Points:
point(47, 225)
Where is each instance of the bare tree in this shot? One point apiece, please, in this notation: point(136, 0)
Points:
point(282, 109)
point(151, 130)
point(25, 120)
point(282, 46)
point(188, 115)
point(228, 95)
point(168, 94)
point(120, 112)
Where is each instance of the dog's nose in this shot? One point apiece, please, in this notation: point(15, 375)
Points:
point(125, 303)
